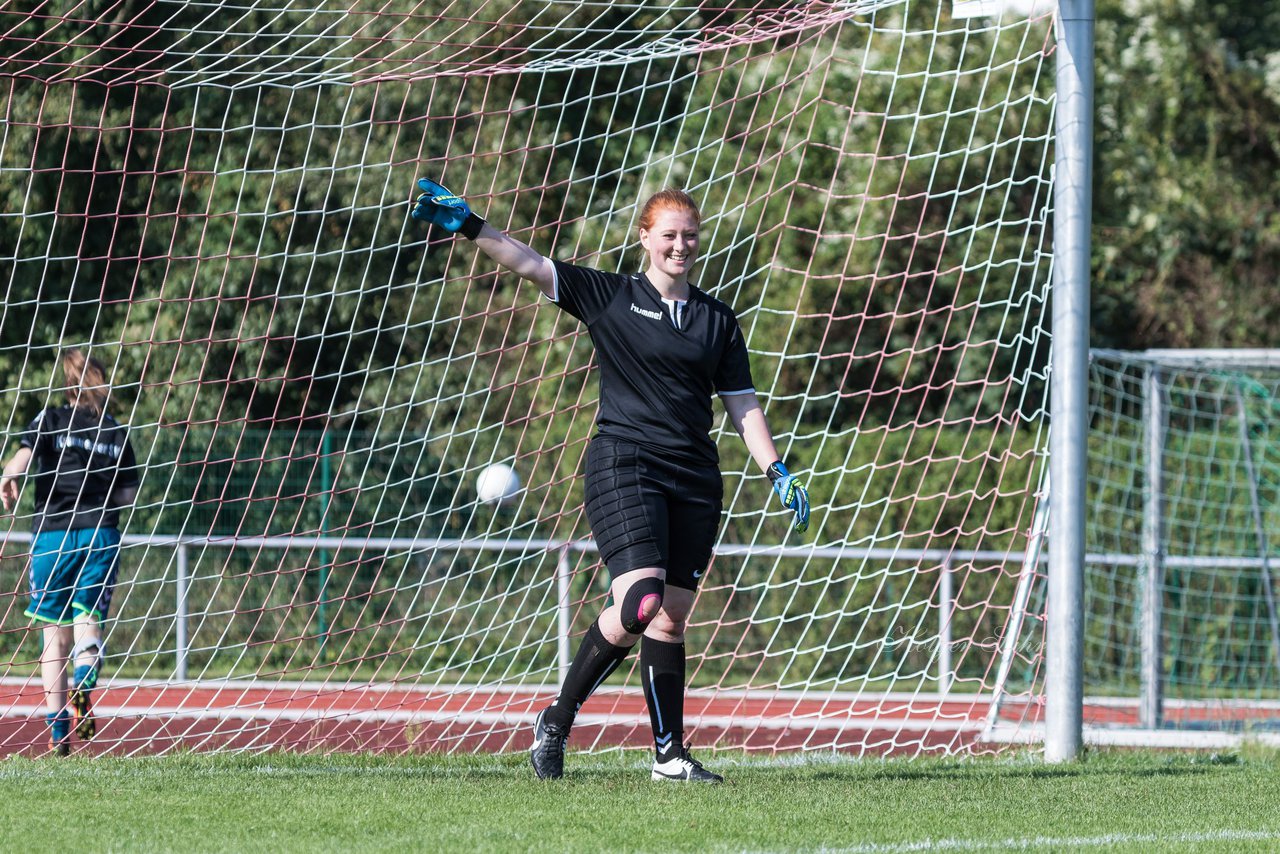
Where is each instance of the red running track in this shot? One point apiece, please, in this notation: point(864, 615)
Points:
point(145, 718)
point(136, 717)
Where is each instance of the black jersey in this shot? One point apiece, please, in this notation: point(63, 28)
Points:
point(79, 459)
point(656, 380)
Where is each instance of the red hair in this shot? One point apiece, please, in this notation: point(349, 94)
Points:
point(669, 198)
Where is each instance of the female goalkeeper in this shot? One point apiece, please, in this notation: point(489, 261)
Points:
point(85, 472)
point(652, 489)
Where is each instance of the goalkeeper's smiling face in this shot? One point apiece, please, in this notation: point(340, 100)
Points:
point(672, 243)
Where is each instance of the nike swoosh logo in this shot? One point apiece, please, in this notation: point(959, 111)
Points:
point(538, 739)
point(698, 574)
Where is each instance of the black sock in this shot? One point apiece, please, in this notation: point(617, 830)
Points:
point(595, 660)
point(662, 673)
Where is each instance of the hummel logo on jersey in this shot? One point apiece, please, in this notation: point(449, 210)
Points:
point(652, 315)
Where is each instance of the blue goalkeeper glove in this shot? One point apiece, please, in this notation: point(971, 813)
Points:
point(440, 207)
point(791, 493)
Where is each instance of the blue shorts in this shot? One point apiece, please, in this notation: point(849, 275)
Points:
point(73, 572)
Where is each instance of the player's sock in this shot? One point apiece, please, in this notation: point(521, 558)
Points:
point(59, 724)
point(85, 677)
point(662, 674)
point(595, 660)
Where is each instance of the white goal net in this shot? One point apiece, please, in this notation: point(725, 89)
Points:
point(213, 201)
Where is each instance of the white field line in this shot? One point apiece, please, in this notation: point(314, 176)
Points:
point(1225, 703)
point(251, 684)
point(502, 718)
point(1125, 737)
point(1055, 843)
point(524, 689)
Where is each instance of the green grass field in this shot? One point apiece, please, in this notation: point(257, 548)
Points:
point(268, 803)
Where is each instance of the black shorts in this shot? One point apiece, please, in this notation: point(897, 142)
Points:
point(647, 511)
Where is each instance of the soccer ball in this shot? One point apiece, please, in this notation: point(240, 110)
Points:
point(498, 484)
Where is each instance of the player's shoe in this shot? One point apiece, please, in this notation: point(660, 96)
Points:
point(683, 768)
point(547, 753)
point(86, 726)
point(59, 724)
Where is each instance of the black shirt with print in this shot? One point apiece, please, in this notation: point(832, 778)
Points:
point(656, 380)
point(79, 459)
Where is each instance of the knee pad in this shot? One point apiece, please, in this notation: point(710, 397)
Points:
point(641, 604)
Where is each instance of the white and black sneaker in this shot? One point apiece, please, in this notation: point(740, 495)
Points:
point(684, 768)
point(547, 753)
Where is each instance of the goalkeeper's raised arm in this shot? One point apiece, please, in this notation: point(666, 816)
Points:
point(451, 212)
